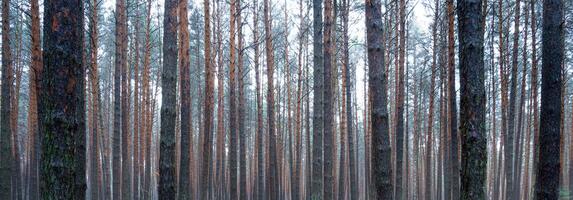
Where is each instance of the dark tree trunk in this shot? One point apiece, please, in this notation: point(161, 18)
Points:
point(473, 99)
point(381, 162)
point(7, 166)
point(260, 131)
point(317, 118)
point(167, 180)
point(61, 109)
point(547, 176)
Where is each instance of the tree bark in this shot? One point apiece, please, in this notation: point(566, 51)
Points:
point(61, 109)
point(510, 147)
point(317, 118)
point(382, 167)
point(473, 99)
point(7, 166)
point(185, 92)
point(547, 176)
point(167, 180)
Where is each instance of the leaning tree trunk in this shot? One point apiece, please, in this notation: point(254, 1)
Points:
point(473, 99)
point(61, 109)
point(547, 178)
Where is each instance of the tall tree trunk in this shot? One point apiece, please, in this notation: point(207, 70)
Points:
point(510, 150)
point(241, 109)
point(452, 111)
point(136, 110)
point(35, 72)
point(317, 118)
point(125, 111)
point(6, 167)
point(146, 118)
point(473, 99)
point(296, 171)
point(272, 180)
point(429, 139)
point(349, 117)
point(234, 194)
point(208, 107)
point(260, 131)
point(184, 191)
point(519, 132)
point(547, 176)
point(94, 177)
point(221, 133)
point(61, 109)
point(399, 112)
point(328, 102)
point(120, 62)
point(167, 177)
point(382, 167)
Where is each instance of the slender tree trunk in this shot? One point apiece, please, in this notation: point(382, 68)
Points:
point(452, 114)
point(61, 109)
point(34, 78)
point(296, 171)
point(232, 104)
point(510, 140)
point(94, 78)
point(547, 176)
point(241, 109)
point(260, 125)
point(185, 92)
point(120, 62)
point(328, 102)
point(519, 132)
point(208, 107)
point(382, 170)
point(399, 112)
point(429, 139)
point(272, 180)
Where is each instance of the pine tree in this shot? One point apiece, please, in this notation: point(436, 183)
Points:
point(473, 99)
point(167, 180)
point(547, 176)
point(61, 102)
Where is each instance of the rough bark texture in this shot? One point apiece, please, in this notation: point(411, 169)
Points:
point(167, 180)
point(473, 99)
point(125, 108)
point(328, 102)
point(317, 118)
point(272, 175)
point(381, 162)
point(61, 109)
point(547, 177)
point(7, 165)
point(184, 191)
